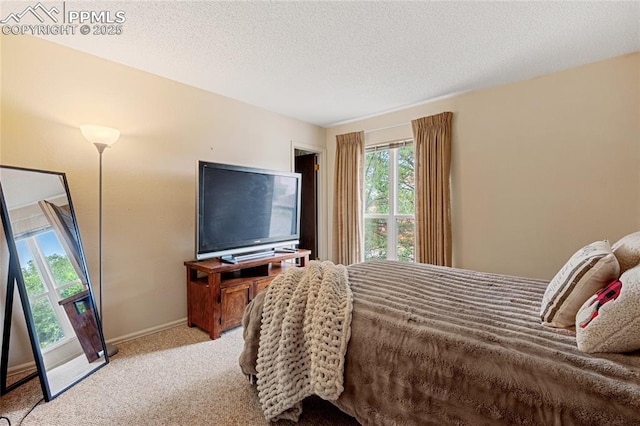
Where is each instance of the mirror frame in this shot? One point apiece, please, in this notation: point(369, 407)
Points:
point(16, 279)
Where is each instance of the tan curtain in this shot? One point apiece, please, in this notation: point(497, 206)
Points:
point(432, 140)
point(347, 201)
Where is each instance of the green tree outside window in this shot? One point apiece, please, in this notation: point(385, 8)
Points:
point(389, 205)
point(66, 283)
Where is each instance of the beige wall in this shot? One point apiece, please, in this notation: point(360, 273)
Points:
point(540, 167)
point(48, 91)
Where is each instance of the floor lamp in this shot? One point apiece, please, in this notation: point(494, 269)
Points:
point(102, 137)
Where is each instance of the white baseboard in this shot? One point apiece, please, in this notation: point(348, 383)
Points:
point(146, 332)
point(21, 368)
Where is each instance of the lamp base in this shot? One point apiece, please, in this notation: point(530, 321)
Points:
point(112, 349)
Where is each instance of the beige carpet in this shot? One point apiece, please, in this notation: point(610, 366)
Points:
point(174, 377)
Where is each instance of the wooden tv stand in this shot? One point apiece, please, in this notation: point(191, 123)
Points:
point(218, 293)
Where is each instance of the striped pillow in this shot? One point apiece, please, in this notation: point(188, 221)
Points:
point(610, 321)
point(590, 269)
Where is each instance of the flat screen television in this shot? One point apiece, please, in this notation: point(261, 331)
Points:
point(245, 210)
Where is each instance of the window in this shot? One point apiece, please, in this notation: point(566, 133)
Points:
point(389, 202)
point(49, 277)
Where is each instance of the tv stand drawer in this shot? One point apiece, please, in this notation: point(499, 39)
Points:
point(233, 302)
point(260, 285)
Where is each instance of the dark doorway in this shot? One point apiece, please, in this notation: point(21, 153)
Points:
point(307, 165)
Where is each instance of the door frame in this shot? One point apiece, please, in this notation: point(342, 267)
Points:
point(321, 196)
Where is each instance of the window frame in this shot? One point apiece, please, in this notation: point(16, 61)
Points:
point(392, 217)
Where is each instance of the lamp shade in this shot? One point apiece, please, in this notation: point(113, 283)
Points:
point(99, 134)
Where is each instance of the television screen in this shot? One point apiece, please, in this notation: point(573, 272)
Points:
point(243, 209)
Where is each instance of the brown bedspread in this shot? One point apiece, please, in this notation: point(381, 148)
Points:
point(436, 345)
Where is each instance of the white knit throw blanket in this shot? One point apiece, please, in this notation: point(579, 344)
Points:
point(306, 325)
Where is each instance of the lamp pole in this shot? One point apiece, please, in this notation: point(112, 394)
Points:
point(101, 137)
point(101, 147)
point(111, 349)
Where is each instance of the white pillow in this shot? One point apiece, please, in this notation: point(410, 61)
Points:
point(610, 320)
point(627, 251)
point(587, 271)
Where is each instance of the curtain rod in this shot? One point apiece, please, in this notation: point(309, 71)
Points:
point(386, 128)
point(389, 145)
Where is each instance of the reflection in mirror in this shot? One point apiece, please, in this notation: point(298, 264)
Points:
point(51, 263)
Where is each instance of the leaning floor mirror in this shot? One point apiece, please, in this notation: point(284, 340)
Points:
point(47, 266)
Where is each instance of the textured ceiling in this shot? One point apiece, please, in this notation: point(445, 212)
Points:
point(331, 62)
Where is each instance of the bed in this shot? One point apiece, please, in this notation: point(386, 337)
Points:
point(438, 345)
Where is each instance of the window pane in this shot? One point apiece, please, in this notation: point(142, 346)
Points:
point(406, 180)
point(47, 326)
point(61, 268)
point(375, 239)
point(376, 186)
point(32, 279)
point(405, 239)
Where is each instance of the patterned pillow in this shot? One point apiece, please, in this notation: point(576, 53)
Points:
point(587, 271)
point(610, 320)
point(627, 251)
